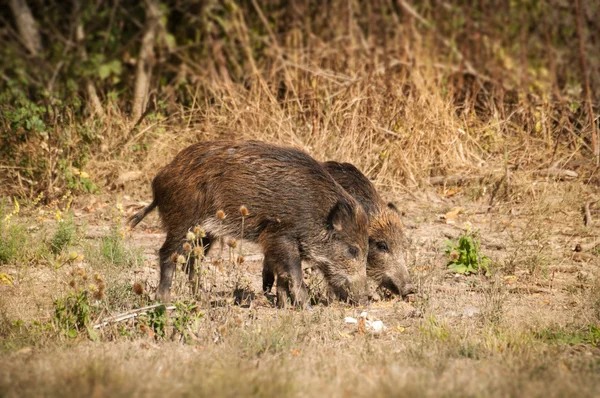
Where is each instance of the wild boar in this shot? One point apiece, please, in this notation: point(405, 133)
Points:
point(386, 261)
point(295, 211)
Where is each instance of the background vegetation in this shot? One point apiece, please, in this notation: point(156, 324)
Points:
point(410, 89)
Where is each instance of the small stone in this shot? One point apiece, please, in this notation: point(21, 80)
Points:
point(24, 351)
point(469, 312)
point(377, 327)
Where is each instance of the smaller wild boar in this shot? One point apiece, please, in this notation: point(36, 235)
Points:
point(295, 211)
point(386, 261)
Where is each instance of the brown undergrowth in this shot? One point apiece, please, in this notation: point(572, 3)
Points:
point(379, 86)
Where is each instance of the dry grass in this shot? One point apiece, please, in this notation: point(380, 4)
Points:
point(294, 354)
point(395, 138)
point(525, 331)
point(402, 111)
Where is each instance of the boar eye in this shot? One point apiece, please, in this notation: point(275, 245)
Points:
point(382, 247)
point(353, 251)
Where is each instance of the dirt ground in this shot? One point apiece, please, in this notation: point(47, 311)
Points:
point(529, 328)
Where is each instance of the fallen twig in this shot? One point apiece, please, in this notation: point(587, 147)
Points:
point(584, 247)
point(482, 289)
point(131, 314)
point(561, 174)
point(493, 245)
point(528, 290)
point(452, 180)
point(587, 214)
point(566, 269)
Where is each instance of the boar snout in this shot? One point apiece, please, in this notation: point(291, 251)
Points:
point(354, 291)
point(409, 288)
point(398, 286)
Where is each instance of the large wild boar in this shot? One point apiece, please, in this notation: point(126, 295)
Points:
point(386, 263)
point(296, 212)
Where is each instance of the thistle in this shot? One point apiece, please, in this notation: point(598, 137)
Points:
point(221, 216)
point(99, 294)
point(244, 212)
point(232, 243)
point(199, 251)
point(138, 288)
point(199, 232)
point(101, 285)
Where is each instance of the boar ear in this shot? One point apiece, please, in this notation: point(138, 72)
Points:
point(393, 207)
point(339, 214)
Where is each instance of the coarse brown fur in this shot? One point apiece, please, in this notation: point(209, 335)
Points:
point(386, 263)
point(296, 212)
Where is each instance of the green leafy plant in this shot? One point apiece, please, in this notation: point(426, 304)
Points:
point(28, 116)
point(465, 257)
point(13, 238)
point(64, 235)
point(73, 312)
point(81, 183)
point(562, 336)
point(12, 241)
point(185, 316)
point(157, 320)
point(113, 249)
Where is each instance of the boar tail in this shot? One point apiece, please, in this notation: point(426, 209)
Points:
point(139, 216)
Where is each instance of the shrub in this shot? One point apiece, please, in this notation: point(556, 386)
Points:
point(64, 235)
point(465, 257)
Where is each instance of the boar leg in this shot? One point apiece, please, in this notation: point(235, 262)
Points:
point(282, 255)
point(167, 267)
point(283, 289)
point(268, 278)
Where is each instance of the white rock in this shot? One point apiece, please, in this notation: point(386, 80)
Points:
point(370, 325)
point(376, 327)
